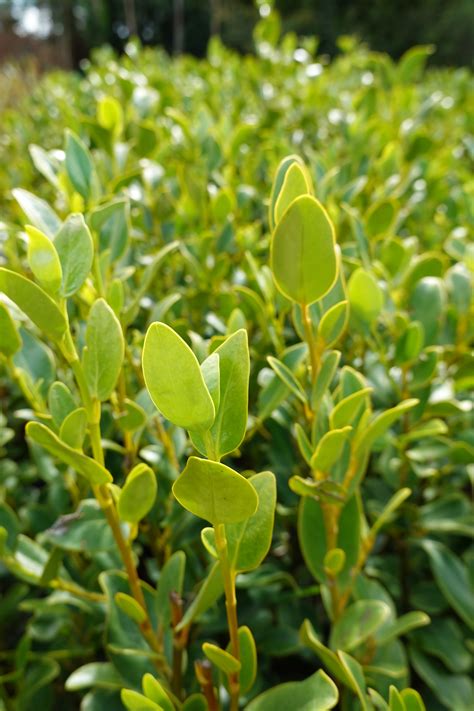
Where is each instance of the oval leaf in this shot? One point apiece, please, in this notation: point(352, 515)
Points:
point(103, 354)
point(174, 379)
point(43, 259)
point(303, 254)
point(35, 303)
point(138, 494)
point(76, 251)
point(316, 693)
point(215, 492)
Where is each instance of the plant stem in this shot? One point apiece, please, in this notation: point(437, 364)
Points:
point(309, 335)
point(107, 504)
point(59, 584)
point(228, 574)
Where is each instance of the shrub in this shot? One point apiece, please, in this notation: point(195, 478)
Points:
point(167, 308)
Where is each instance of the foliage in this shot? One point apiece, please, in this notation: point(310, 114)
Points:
point(154, 321)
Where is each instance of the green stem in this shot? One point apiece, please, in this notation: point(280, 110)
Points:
point(228, 574)
point(310, 340)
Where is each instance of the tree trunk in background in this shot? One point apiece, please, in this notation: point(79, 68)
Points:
point(130, 16)
point(72, 42)
point(216, 17)
point(178, 26)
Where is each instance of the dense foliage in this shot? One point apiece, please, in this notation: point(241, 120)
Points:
point(293, 240)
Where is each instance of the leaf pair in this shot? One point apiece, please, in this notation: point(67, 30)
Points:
point(61, 265)
point(210, 398)
point(303, 253)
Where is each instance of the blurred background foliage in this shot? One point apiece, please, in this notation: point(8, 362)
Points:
point(65, 32)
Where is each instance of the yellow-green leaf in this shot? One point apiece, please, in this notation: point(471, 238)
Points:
point(94, 472)
point(10, 341)
point(215, 492)
point(43, 259)
point(174, 379)
point(222, 659)
point(35, 303)
point(303, 253)
point(103, 354)
point(138, 494)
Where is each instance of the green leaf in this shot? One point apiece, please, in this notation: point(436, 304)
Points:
point(327, 656)
point(444, 638)
point(73, 428)
point(278, 181)
point(314, 548)
point(303, 443)
point(38, 212)
point(222, 659)
point(380, 217)
point(455, 691)
point(333, 323)
point(94, 472)
point(133, 701)
point(171, 580)
point(110, 114)
point(76, 251)
point(249, 541)
point(60, 402)
point(215, 492)
point(124, 641)
point(347, 410)
point(405, 623)
point(46, 164)
point(132, 418)
point(195, 702)
point(104, 350)
point(275, 391)
point(85, 531)
point(43, 259)
point(228, 429)
point(316, 693)
point(286, 376)
point(174, 379)
point(326, 490)
point(210, 591)
point(396, 501)
point(412, 700)
point(79, 165)
point(366, 298)
point(35, 303)
point(154, 690)
point(130, 607)
point(296, 183)
point(381, 424)
point(138, 494)
point(358, 622)
point(10, 341)
point(303, 254)
point(452, 578)
point(146, 280)
point(412, 63)
point(329, 449)
point(330, 361)
point(101, 675)
point(248, 659)
point(211, 373)
point(356, 675)
point(111, 221)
